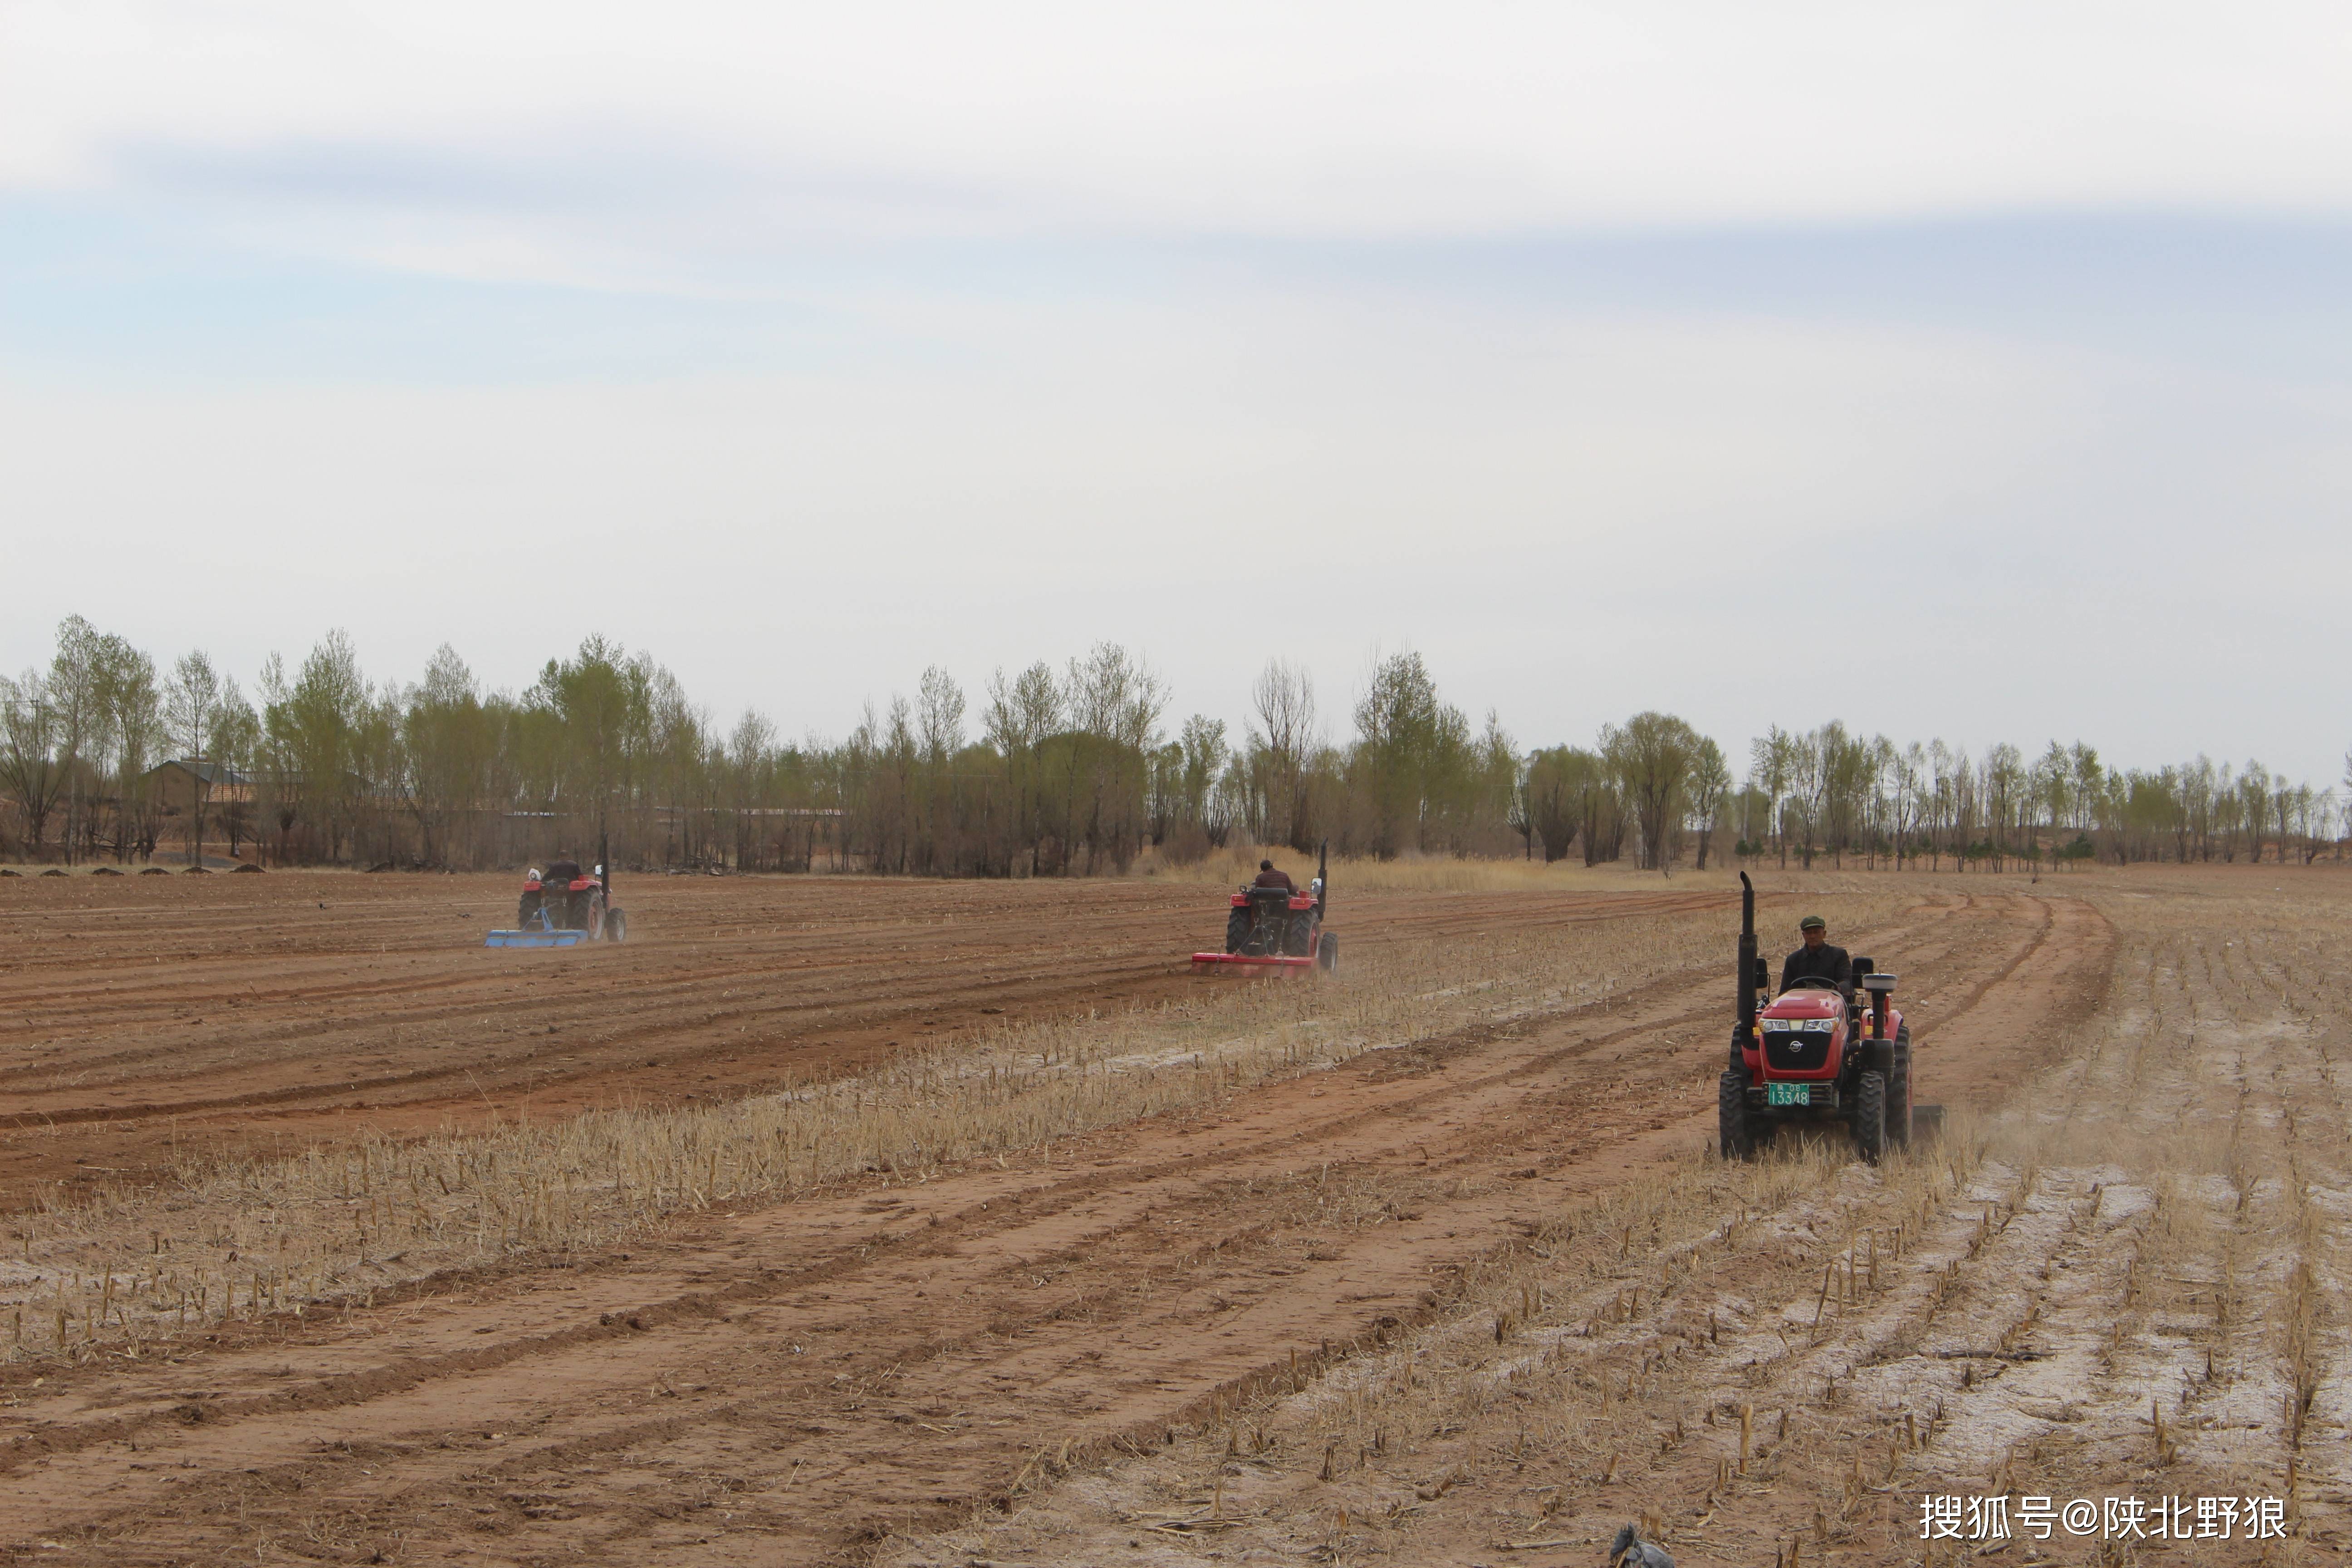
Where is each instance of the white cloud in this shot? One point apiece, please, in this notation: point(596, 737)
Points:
point(742, 124)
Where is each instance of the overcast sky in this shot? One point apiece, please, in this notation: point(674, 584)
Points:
point(1976, 371)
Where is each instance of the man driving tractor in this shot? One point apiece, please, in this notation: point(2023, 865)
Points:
point(1817, 960)
point(1267, 877)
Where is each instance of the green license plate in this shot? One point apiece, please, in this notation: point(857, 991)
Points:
point(1787, 1094)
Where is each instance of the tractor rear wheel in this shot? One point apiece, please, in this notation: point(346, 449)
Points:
point(1898, 1091)
point(1236, 930)
point(1734, 1126)
point(1870, 1117)
point(1327, 952)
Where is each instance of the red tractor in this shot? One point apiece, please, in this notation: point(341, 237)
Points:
point(563, 906)
point(1273, 930)
point(1813, 1054)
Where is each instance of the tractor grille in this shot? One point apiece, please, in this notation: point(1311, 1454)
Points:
point(1789, 1051)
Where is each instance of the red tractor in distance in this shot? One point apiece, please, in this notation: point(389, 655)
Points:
point(1271, 931)
point(563, 907)
point(1813, 1054)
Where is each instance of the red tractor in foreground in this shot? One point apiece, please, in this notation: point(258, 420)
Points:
point(1813, 1054)
point(1275, 930)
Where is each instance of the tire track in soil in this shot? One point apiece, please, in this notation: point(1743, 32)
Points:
point(2124, 1324)
point(1696, 1346)
point(139, 1024)
point(1088, 1326)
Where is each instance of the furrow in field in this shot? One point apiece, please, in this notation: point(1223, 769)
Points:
point(821, 1361)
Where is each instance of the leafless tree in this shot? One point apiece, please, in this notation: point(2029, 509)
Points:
point(192, 713)
point(1710, 786)
point(1283, 698)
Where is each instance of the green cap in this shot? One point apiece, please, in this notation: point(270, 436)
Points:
point(1812, 922)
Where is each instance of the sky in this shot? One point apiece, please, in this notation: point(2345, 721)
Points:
point(1975, 371)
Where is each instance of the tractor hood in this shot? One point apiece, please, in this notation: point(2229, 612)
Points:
point(1806, 1004)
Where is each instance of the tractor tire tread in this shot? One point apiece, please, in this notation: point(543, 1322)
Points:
point(1870, 1117)
point(1734, 1126)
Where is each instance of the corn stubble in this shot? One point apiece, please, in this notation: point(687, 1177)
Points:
point(245, 1238)
point(2125, 1281)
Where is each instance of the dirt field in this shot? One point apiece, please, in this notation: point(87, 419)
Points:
point(291, 1007)
point(1442, 1273)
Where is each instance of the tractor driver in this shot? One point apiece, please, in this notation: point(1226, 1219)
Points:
point(1817, 960)
point(563, 871)
point(1267, 877)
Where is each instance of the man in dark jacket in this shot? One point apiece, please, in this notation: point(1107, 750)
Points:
point(1267, 877)
point(1817, 960)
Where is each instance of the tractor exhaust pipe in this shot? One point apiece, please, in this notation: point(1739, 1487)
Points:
point(1322, 878)
point(605, 865)
point(1746, 1010)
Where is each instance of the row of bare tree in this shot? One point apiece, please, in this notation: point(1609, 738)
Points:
point(1831, 792)
point(105, 755)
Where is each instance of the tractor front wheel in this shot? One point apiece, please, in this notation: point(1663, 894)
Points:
point(1236, 930)
point(616, 925)
point(1327, 952)
point(1870, 1117)
point(1733, 1123)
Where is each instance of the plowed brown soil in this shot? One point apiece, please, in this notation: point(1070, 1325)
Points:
point(998, 1364)
point(285, 1008)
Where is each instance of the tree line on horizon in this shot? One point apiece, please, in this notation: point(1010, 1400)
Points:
point(107, 756)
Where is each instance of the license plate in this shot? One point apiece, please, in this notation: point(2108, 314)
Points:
point(1787, 1094)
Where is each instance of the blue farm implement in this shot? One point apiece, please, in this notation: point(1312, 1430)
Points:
point(536, 933)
